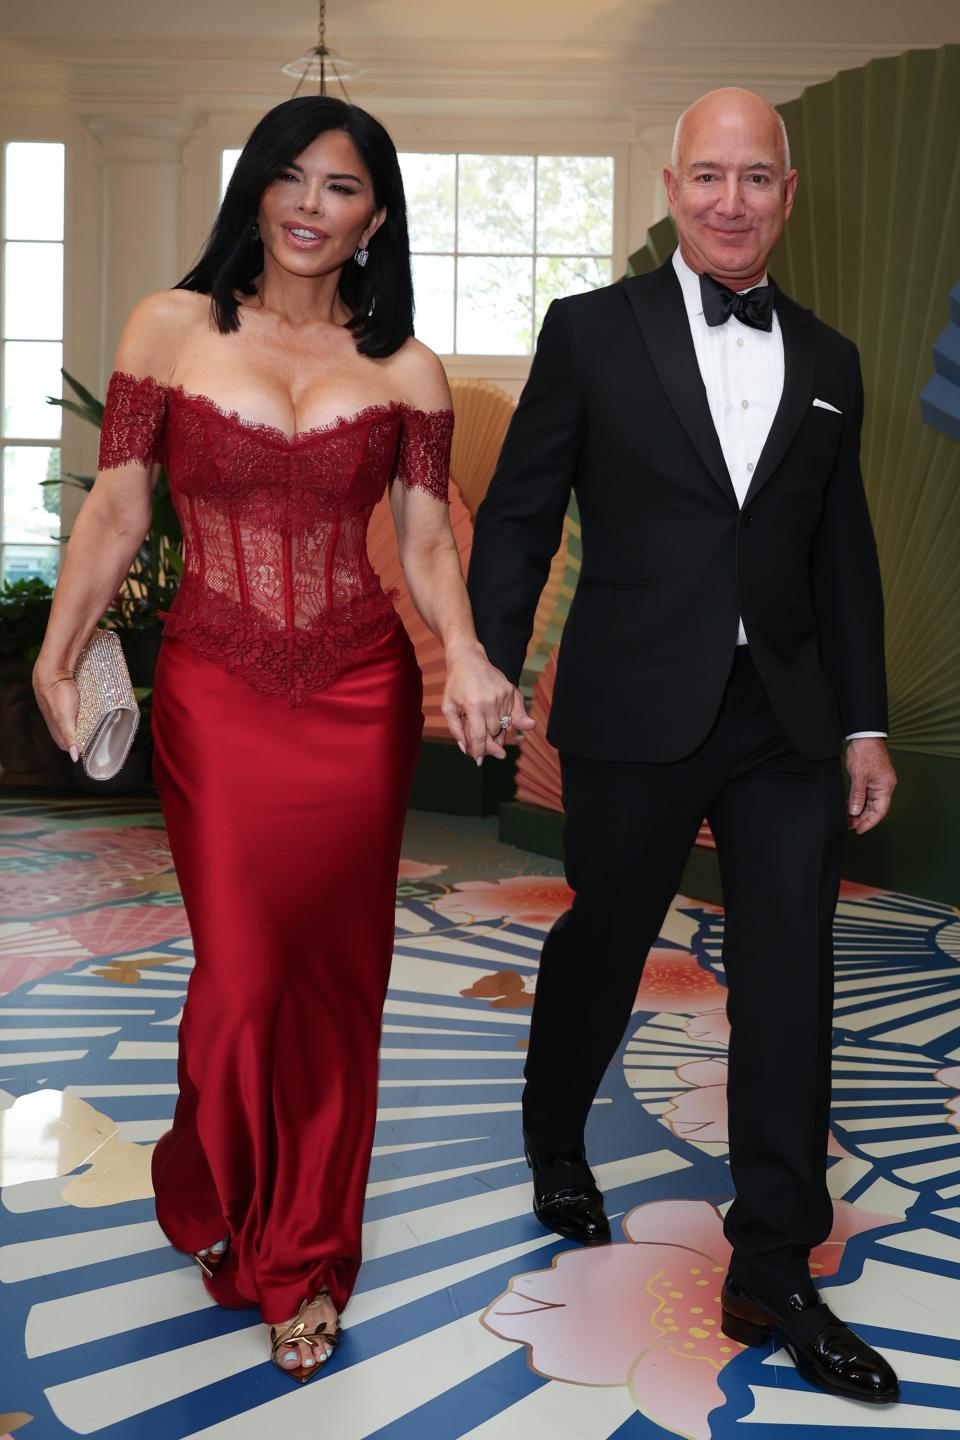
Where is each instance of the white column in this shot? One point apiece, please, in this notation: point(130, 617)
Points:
point(142, 167)
point(658, 142)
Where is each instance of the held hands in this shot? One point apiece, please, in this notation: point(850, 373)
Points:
point(476, 698)
point(872, 783)
point(58, 700)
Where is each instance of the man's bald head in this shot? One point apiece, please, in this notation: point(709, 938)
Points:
point(730, 99)
point(730, 184)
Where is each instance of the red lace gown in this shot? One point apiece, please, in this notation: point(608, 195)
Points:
point(286, 721)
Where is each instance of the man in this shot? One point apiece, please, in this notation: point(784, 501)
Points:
point(726, 637)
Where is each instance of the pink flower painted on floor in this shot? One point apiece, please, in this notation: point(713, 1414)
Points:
point(118, 929)
point(417, 870)
point(700, 1112)
point(89, 867)
point(29, 951)
point(526, 899)
point(673, 981)
point(951, 1077)
point(851, 890)
point(645, 1314)
point(712, 1027)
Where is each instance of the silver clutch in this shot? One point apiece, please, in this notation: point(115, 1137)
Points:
point(109, 715)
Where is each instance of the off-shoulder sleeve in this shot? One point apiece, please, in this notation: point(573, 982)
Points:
point(423, 460)
point(133, 420)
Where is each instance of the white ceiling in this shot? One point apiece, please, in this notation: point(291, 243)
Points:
point(499, 23)
point(635, 62)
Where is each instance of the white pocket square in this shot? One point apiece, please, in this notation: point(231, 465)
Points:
point(825, 405)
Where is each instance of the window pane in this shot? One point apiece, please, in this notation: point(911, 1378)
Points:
point(31, 372)
point(433, 293)
point(228, 161)
point(33, 202)
point(31, 513)
point(24, 562)
point(575, 204)
point(496, 203)
point(557, 276)
point(429, 182)
point(33, 300)
point(494, 306)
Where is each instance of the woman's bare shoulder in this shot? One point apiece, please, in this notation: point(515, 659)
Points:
point(156, 330)
point(420, 376)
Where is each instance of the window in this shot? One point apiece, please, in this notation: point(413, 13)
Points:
point(31, 330)
point(495, 238)
point(228, 161)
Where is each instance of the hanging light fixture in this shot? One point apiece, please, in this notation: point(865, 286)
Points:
point(321, 64)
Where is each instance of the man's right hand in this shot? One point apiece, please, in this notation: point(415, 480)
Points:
point(872, 783)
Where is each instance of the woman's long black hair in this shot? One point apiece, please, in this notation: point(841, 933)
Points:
point(379, 296)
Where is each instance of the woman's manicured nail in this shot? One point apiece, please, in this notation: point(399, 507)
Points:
point(75, 756)
point(461, 747)
point(479, 759)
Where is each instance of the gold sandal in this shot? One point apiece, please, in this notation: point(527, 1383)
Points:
point(297, 1330)
point(211, 1258)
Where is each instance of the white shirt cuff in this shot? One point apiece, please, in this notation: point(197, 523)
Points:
point(868, 735)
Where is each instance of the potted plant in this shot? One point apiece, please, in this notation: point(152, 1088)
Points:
point(26, 751)
point(28, 756)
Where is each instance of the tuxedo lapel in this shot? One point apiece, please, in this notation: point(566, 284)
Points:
point(657, 304)
point(796, 326)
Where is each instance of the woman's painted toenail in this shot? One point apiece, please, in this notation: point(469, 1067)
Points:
point(219, 1248)
point(309, 1361)
point(203, 1252)
point(290, 1356)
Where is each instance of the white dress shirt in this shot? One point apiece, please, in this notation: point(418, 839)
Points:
point(742, 370)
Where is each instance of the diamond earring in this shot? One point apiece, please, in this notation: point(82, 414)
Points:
point(254, 231)
point(362, 256)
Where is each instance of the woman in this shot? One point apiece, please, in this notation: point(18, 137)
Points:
point(280, 385)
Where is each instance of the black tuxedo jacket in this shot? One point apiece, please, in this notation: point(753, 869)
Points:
point(615, 408)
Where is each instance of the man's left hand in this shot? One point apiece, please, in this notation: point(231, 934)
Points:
point(872, 783)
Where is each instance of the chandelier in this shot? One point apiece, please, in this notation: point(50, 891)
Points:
point(321, 64)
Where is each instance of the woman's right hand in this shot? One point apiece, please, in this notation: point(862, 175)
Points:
point(59, 702)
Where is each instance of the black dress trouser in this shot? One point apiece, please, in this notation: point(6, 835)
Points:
point(778, 821)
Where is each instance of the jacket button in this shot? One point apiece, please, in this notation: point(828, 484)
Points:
point(746, 519)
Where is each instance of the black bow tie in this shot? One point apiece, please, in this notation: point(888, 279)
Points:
point(754, 307)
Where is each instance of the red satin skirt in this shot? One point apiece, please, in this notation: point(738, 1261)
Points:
point(285, 826)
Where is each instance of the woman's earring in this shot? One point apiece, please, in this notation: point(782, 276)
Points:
point(362, 256)
point(254, 231)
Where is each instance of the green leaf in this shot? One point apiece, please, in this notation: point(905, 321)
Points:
point(90, 400)
point(74, 409)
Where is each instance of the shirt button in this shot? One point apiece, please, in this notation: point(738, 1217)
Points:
point(749, 467)
point(744, 404)
point(740, 341)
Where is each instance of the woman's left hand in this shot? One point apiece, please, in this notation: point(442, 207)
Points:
point(476, 699)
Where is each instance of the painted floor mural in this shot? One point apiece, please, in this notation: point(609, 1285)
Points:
point(469, 1319)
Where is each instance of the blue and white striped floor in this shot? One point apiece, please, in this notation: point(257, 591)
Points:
point(469, 1319)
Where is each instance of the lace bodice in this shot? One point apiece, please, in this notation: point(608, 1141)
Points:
point(277, 584)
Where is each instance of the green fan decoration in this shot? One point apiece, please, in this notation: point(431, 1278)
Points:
point(872, 247)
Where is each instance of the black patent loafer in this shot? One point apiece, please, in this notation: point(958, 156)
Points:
point(826, 1352)
point(565, 1195)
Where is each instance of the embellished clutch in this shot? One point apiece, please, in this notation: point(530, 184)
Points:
point(109, 715)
